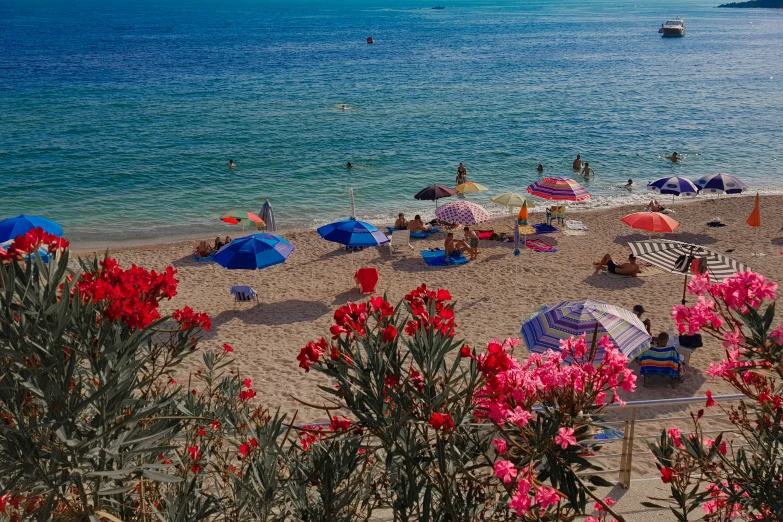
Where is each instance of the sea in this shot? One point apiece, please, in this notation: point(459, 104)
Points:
point(118, 119)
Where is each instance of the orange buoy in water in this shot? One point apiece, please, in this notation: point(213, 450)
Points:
point(370, 40)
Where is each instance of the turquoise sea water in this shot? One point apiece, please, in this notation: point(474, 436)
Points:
point(118, 119)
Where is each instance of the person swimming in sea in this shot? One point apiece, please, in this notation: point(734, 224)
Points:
point(675, 158)
point(345, 107)
point(231, 164)
point(348, 165)
point(577, 163)
point(540, 168)
point(588, 172)
point(629, 184)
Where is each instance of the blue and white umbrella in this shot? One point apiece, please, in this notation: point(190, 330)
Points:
point(254, 252)
point(675, 186)
point(353, 233)
point(720, 184)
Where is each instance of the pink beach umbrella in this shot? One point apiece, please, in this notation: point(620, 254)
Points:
point(462, 213)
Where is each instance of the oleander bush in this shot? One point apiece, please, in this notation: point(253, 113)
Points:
point(736, 475)
point(99, 420)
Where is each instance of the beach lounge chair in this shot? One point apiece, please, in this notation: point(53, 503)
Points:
point(244, 294)
point(366, 279)
point(400, 239)
point(660, 361)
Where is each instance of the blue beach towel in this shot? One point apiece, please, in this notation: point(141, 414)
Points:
point(208, 259)
point(438, 258)
point(543, 228)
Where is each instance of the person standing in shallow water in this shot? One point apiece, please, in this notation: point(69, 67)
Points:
point(231, 164)
point(462, 174)
point(577, 163)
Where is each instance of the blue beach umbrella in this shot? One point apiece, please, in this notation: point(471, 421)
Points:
point(675, 186)
point(545, 329)
point(720, 183)
point(353, 233)
point(20, 225)
point(254, 252)
point(43, 252)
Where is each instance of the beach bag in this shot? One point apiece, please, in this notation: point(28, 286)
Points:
point(699, 266)
point(691, 341)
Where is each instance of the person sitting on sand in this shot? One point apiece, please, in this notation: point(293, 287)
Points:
point(348, 165)
point(588, 172)
point(577, 163)
point(401, 223)
point(218, 243)
point(663, 340)
point(227, 241)
point(231, 164)
point(674, 157)
point(417, 225)
point(638, 310)
point(540, 168)
point(473, 241)
point(627, 269)
point(454, 249)
point(654, 206)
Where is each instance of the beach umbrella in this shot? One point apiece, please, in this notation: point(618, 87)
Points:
point(650, 222)
point(558, 189)
point(268, 215)
point(552, 324)
point(462, 213)
point(720, 184)
point(511, 200)
point(755, 217)
point(470, 187)
point(254, 252)
point(353, 233)
point(675, 186)
point(239, 215)
point(680, 258)
point(22, 224)
point(435, 192)
point(43, 252)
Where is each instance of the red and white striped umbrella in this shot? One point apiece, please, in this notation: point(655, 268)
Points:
point(462, 213)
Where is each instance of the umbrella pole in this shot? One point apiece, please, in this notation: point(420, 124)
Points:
point(684, 288)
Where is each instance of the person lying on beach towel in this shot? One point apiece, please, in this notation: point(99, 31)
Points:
point(627, 269)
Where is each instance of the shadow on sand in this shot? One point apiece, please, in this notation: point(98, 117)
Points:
point(599, 279)
point(273, 314)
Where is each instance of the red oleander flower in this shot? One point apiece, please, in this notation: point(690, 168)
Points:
point(389, 333)
point(246, 395)
point(667, 474)
point(247, 383)
point(194, 452)
point(188, 318)
point(466, 352)
point(253, 442)
point(227, 348)
point(244, 449)
point(338, 424)
point(441, 422)
point(710, 400)
point(312, 353)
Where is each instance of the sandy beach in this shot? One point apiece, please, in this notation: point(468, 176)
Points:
point(494, 294)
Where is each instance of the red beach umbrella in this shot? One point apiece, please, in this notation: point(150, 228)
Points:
point(651, 222)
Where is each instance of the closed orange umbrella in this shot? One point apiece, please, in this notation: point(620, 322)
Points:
point(755, 217)
point(651, 222)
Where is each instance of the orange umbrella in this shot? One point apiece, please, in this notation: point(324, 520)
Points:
point(755, 217)
point(651, 222)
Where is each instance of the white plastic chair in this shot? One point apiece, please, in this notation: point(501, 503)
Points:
point(399, 239)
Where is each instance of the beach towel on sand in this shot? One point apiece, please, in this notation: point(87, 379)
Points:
point(575, 225)
point(567, 232)
point(543, 228)
point(416, 235)
point(438, 258)
point(539, 246)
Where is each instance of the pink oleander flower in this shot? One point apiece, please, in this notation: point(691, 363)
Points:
point(546, 497)
point(520, 502)
point(500, 445)
point(505, 471)
point(733, 340)
point(519, 416)
point(710, 400)
point(675, 434)
point(565, 437)
point(608, 501)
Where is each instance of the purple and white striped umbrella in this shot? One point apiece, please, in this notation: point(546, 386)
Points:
point(720, 183)
point(462, 213)
point(675, 186)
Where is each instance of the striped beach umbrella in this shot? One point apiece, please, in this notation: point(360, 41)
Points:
point(720, 184)
point(558, 189)
point(552, 324)
point(674, 185)
point(677, 257)
point(462, 213)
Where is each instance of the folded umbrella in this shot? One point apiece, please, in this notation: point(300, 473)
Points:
point(268, 215)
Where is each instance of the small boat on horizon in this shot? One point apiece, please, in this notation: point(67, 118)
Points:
point(439, 7)
point(672, 28)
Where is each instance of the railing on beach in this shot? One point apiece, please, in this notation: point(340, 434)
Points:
point(630, 441)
